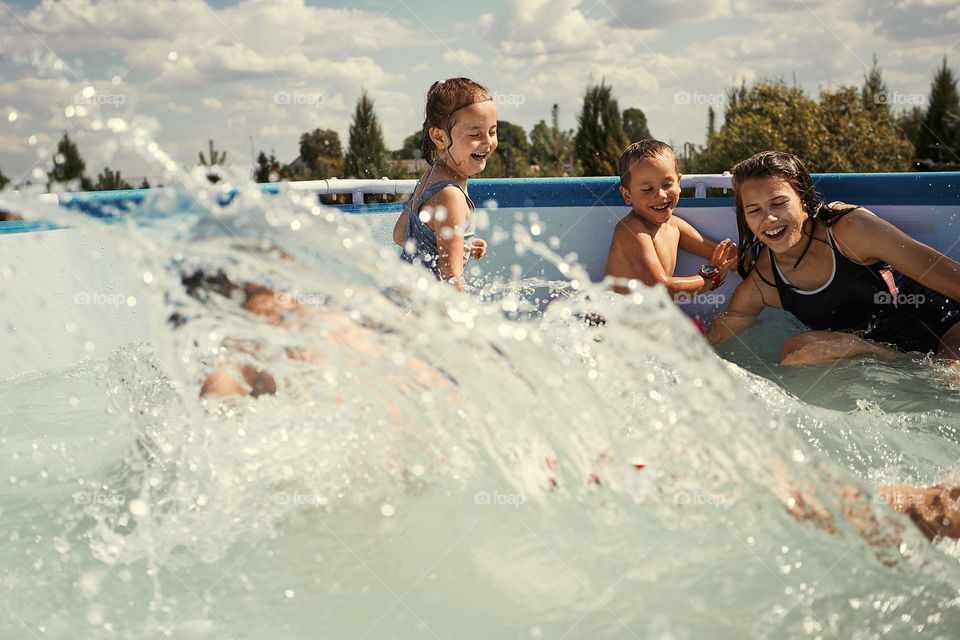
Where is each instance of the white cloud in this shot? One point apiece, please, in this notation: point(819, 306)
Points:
point(461, 57)
point(545, 51)
point(174, 107)
point(653, 15)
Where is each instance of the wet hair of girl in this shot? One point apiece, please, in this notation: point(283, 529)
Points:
point(790, 169)
point(444, 99)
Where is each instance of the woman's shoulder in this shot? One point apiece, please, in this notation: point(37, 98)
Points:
point(850, 217)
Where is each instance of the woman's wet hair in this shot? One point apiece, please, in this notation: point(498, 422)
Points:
point(790, 169)
point(444, 99)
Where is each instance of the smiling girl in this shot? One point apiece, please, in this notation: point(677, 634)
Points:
point(459, 134)
point(855, 279)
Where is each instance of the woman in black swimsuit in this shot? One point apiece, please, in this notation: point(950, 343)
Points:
point(853, 278)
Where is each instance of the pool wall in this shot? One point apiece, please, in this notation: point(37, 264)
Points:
point(68, 297)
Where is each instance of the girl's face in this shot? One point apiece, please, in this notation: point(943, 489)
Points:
point(773, 212)
point(472, 139)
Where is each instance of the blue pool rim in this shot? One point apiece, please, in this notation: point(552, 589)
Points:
point(855, 188)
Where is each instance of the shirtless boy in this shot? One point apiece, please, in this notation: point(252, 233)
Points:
point(645, 241)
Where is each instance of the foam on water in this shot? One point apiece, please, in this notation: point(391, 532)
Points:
point(427, 466)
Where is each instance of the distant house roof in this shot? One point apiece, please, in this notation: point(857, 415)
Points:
point(298, 165)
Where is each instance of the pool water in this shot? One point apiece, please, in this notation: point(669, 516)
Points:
point(444, 465)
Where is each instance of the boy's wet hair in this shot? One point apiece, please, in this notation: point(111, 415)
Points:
point(444, 99)
point(792, 170)
point(641, 150)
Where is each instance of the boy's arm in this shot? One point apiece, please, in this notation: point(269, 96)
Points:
point(633, 256)
point(692, 241)
point(720, 254)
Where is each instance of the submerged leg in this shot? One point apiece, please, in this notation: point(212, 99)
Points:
point(814, 347)
point(236, 381)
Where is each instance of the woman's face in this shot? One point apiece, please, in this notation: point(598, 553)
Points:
point(773, 212)
point(472, 139)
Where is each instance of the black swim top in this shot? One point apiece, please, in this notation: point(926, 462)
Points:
point(875, 302)
point(848, 301)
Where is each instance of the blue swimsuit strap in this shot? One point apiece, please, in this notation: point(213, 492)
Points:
point(435, 188)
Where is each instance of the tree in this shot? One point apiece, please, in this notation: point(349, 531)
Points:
point(217, 158)
point(937, 141)
point(4, 180)
point(910, 122)
point(874, 92)
point(268, 169)
point(711, 124)
point(412, 147)
point(366, 153)
point(635, 125)
point(110, 181)
point(511, 159)
point(68, 165)
point(320, 154)
point(320, 143)
point(836, 134)
point(600, 138)
point(551, 147)
point(145, 184)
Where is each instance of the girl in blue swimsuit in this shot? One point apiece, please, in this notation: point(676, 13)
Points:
point(459, 134)
point(855, 279)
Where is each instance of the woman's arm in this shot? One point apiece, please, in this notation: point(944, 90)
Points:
point(400, 229)
point(745, 305)
point(865, 238)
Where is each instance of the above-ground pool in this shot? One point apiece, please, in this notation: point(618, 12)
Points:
point(436, 464)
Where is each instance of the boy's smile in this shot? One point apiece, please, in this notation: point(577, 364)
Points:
point(654, 188)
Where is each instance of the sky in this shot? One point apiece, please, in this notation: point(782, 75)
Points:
point(253, 75)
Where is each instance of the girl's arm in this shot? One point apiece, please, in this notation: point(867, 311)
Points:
point(865, 238)
point(450, 212)
point(745, 305)
point(400, 229)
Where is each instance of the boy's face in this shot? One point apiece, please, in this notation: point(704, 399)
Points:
point(654, 188)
